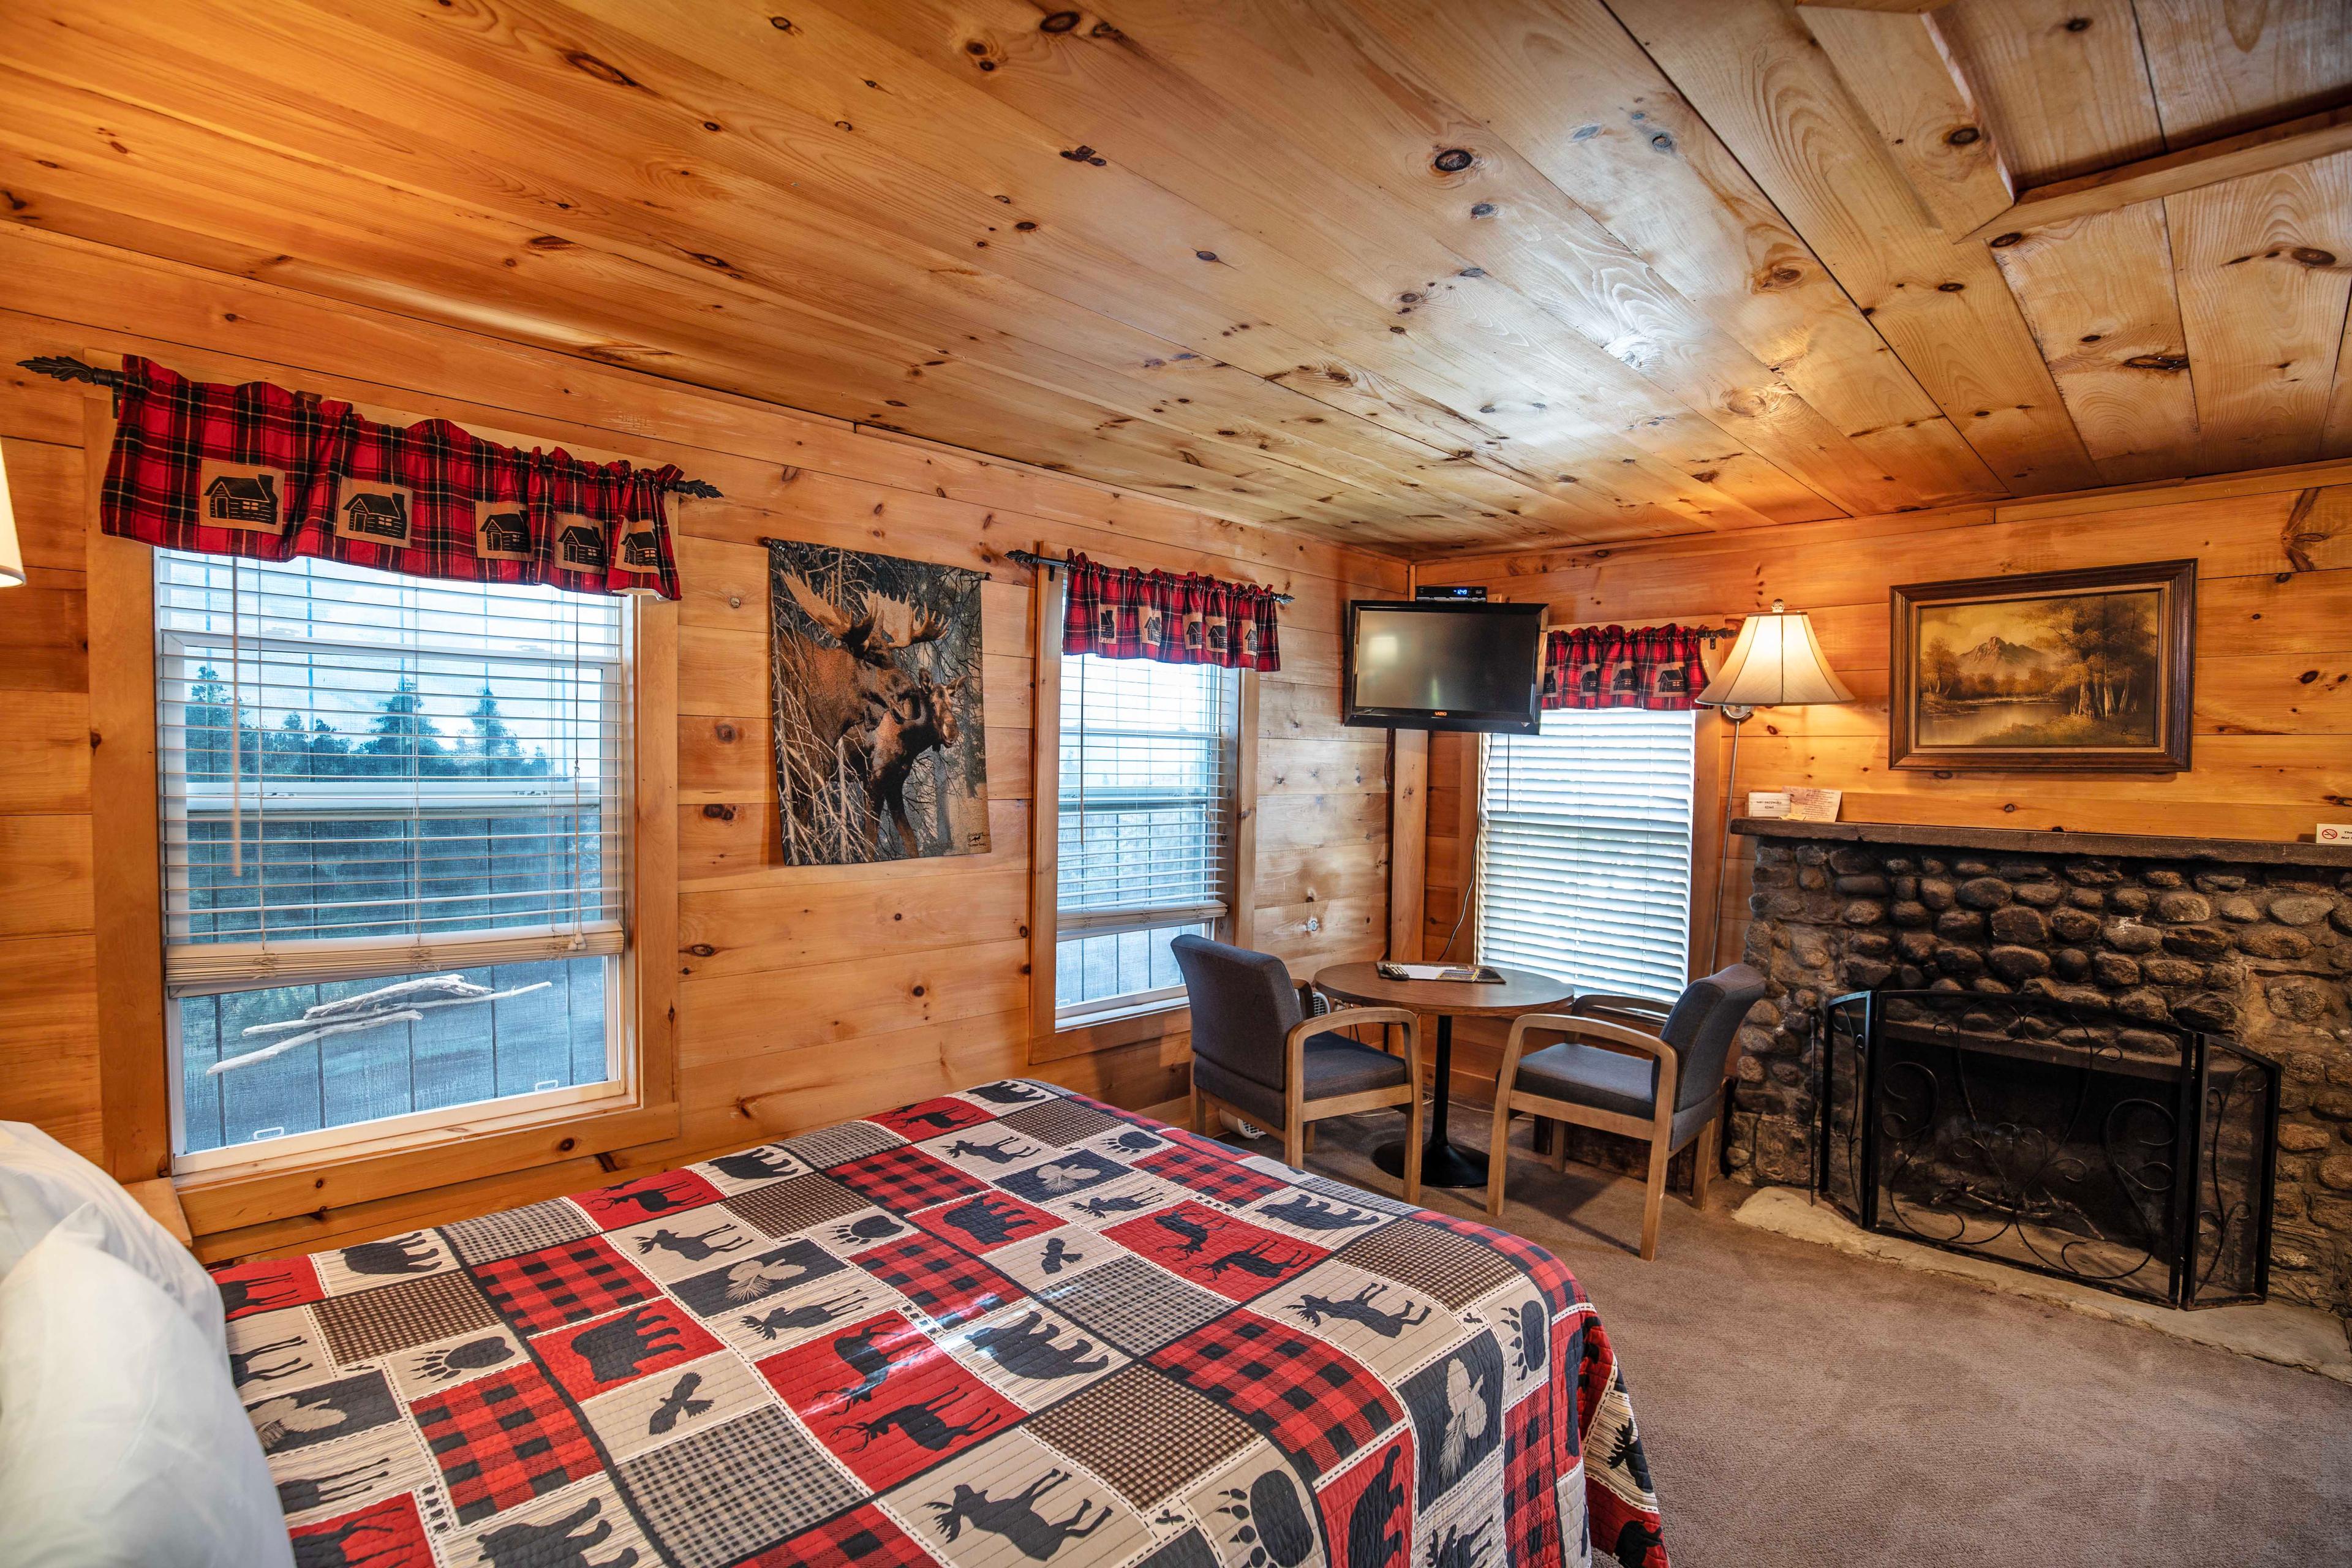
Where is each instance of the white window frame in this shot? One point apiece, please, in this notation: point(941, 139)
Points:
point(394, 957)
point(1137, 1016)
point(1070, 925)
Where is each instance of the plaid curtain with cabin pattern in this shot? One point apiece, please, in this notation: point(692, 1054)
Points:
point(1609, 667)
point(1127, 613)
point(261, 472)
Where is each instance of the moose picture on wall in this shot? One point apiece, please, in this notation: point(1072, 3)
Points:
point(880, 749)
point(2082, 671)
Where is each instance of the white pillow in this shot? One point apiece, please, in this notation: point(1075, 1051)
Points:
point(42, 1181)
point(122, 1444)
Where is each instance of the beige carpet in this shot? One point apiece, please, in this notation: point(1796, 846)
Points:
point(1801, 1406)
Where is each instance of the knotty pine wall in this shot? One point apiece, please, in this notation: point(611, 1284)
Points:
point(808, 996)
point(2272, 753)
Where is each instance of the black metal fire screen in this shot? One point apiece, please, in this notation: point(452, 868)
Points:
point(2134, 1158)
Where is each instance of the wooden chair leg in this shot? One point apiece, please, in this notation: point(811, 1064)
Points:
point(1559, 1145)
point(1413, 1150)
point(1200, 1113)
point(1294, 1143)
point(1498, 1154)
point(1652, 1194)
point(1307, 1133)
point(1703, 1160)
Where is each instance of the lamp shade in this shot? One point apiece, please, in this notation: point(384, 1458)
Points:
point(1776, 663)
point(12, 557)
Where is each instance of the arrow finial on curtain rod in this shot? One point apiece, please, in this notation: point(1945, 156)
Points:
point(64, 367)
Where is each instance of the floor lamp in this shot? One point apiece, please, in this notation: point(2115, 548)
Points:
point(1776, 663)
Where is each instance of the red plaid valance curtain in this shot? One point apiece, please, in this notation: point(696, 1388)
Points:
point(1610, 667)
point(259, 472)
point(1125, 613)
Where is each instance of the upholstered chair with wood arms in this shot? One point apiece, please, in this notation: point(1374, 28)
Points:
point(1258, 1053)
point(1668, 1089)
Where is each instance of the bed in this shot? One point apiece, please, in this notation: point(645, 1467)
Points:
point(1004, 1328)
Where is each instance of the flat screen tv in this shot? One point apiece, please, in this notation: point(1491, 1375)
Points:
point(1438, 664)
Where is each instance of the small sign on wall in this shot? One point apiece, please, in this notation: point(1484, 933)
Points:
point(1796, 805)
point(2336, 833)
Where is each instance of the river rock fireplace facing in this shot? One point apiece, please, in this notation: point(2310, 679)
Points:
point(2140, 943)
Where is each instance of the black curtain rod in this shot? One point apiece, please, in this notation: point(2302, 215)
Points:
point(64, 367)
point(1030, 558)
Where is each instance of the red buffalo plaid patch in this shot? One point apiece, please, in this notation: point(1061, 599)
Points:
point(647, 1197)
point(567, 1284)
point(502, 1440)
point(1530, 1482)
point(1317, 1405)
point(388, 1534)
point(1596, 1365)
point(1211, 1175)
point(906, 1179)
point(932, 1117)
point(946, 1286)
point(862, 1538)
point(249, 1288)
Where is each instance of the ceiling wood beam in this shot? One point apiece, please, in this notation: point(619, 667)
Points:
point(1753, 72)
point(1884, 7)
point(2172, 174)
point(1900, 70)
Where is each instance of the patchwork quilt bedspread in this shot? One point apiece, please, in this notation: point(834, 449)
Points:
point(1009, 1328)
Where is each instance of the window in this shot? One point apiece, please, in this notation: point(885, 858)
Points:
point(1146, 820)
point(1586, 869)
point(394, 827)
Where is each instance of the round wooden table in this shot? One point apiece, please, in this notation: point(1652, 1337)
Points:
point(1442, 1163)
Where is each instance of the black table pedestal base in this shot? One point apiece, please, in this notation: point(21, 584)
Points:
point(1442, 1163)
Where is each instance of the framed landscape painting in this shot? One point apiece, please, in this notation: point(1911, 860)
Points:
point(2085, 671)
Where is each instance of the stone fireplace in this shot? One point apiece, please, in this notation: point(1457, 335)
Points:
point(2145, 936)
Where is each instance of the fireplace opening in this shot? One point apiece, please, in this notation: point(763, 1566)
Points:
point(2139, 1160)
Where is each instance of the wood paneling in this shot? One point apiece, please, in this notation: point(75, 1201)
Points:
point(802, 995)
point(1409, 276)
point(2273, 751)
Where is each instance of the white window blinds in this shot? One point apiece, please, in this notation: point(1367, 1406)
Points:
point(1587, 864)
point(1146, 798)
point(362, 772)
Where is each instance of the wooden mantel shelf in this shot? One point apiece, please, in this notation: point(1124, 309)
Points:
point(2131, 846)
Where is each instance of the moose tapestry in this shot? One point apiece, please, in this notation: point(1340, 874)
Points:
point(880, 751)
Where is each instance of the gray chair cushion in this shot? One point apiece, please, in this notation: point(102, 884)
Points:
point(1603, 1079)
point(1590, 1076)
point(1335, 1065)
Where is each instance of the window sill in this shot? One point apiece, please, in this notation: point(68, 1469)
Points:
point(232, 1199)
point(1106, 1027)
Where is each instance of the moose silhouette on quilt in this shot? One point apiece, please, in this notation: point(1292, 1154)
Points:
point(1007, 1328)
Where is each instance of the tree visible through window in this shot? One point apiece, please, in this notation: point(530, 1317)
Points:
point(1145, 834)
point(392, 838)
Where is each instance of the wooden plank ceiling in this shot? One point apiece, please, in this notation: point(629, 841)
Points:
point(1421, 277)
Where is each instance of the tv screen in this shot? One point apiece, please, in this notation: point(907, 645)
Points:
point(1444, 665)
